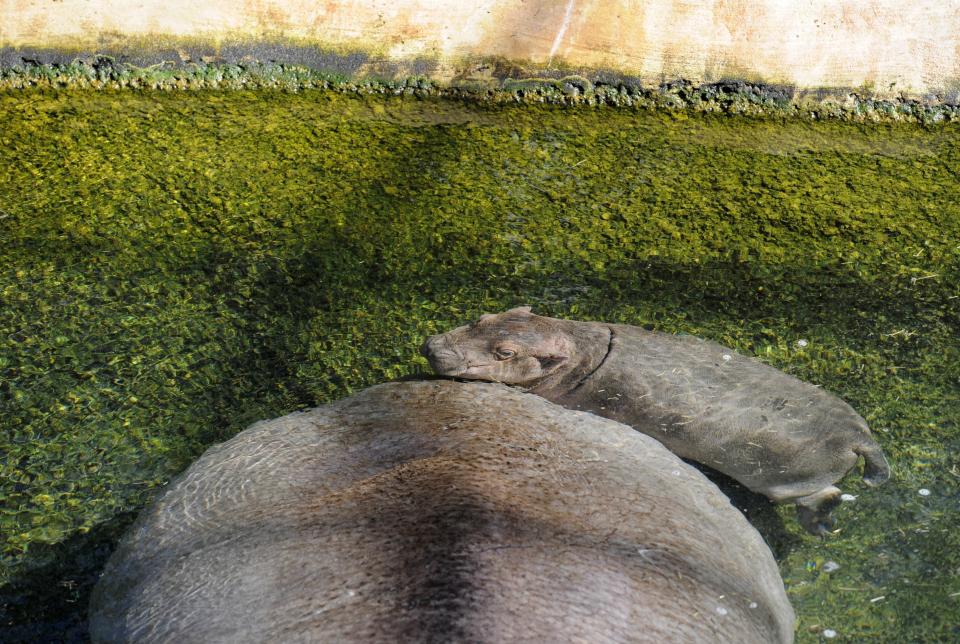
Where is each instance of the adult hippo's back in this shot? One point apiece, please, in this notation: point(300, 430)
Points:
point(441, 511)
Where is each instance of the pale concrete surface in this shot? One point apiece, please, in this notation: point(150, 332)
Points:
point(886, 48)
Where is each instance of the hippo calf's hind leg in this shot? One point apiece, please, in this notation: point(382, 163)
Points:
point(813, 510)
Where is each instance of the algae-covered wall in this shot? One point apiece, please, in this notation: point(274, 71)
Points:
point(878, 48)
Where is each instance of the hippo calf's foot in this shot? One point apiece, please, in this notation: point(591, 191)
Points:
point(813, 511)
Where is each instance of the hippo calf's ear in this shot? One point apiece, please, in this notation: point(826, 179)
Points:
point(521, 309)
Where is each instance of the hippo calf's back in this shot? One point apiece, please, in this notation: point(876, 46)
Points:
point(441, 511)
point(778, 435)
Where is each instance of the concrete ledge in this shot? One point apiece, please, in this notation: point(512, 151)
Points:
point(854, 58)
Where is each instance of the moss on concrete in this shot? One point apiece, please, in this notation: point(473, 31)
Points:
point(297, 68)
point(176, 266)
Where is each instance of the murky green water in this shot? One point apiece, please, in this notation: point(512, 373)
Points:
point(176, 266)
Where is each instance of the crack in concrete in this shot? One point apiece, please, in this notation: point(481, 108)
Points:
point(568, 14)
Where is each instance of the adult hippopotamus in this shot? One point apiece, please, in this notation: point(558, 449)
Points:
point(441, 511)
point(779, 436)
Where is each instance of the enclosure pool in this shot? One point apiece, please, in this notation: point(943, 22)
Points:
point(178, 265)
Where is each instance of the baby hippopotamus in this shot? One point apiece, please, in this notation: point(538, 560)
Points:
point(779, 436)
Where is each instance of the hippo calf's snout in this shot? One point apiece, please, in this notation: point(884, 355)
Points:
point(428, 346)
point(442, 355)
point(431, 346)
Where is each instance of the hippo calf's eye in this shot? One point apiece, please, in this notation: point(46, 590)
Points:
point(504, 354)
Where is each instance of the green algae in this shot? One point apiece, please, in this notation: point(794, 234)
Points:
point(176, 266)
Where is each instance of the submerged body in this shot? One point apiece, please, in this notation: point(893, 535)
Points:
point(441, 511)
point(779, 436)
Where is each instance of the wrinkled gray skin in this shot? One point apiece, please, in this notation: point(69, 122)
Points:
point(779, 436)
point(441, 511)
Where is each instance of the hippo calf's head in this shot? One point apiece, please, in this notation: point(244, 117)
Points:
point(515, 347)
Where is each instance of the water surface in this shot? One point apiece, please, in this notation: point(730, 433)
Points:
point(176, 266)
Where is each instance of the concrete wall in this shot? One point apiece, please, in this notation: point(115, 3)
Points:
point(887, 48)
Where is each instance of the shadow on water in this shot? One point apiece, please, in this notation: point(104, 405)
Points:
point(759, 511)
point(55, 609)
